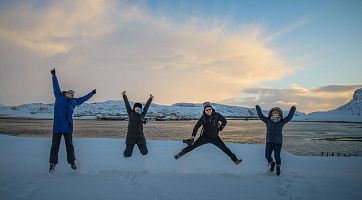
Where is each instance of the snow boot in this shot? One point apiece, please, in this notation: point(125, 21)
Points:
point(238, 161)
point(278, 170)
point(51, 167)
point(179, 155)
point(73, 166)
point(272, 166)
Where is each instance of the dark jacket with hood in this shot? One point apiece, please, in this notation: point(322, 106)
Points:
point(211, 125)
point(135, 123)
point(275, 129)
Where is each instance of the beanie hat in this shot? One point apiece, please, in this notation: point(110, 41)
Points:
point(137, 105)
point(71, 92)
point(207, 104)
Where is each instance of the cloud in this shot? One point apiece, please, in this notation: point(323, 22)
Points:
point(337, 88)
point(112, 46)
point(290, 28)
point(308, 100)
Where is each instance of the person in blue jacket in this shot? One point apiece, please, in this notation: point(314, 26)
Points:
point(274, 135)
point(63, 121)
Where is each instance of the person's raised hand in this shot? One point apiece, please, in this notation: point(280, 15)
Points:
point(124, 92)
point(53, 72)
point(94, 91)
point(151, 96)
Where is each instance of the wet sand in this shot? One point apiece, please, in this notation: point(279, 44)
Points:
point(236, 131)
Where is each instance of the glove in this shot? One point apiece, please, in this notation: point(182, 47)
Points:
point(189, 142)
point(221, 128)
point(94, 91)
point(53, 72)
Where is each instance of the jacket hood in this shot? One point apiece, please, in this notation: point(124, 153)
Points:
point(275, 109)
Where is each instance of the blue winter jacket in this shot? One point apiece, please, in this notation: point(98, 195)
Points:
point(63, 109)
point(274, 131)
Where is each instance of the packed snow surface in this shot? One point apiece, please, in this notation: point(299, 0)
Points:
point(205, 173)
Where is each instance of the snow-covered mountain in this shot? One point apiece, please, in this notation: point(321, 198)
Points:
point(116, 109)
point(350, 112)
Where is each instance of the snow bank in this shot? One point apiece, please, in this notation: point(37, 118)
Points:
point(205, 173)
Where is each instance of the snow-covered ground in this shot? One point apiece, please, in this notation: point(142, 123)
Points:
point(205, 173)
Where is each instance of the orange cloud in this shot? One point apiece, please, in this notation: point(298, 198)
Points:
point(115, 46)
point(308, 100)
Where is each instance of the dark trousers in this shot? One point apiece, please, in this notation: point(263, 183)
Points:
point(273, 147)
point(129, 149)
point(215, 141)
point(55, 147)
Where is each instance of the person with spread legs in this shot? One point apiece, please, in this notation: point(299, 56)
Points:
point(136, 120)
point(212, 123)
point(274, 136)
point(63, 122)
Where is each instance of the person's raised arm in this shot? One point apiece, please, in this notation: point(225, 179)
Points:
point(148, 103)
point(56, 87)
point(223, 121)
point(260, 113)
point(126, 103)
point(81, 100)
point(290, 114)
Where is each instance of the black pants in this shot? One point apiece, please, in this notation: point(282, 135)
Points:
point(269, 148)
point(129, 149)
point(215, 141)
point(55, 147)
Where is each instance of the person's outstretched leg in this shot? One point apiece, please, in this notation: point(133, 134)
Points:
point(128, 151)
point(268, 152)
point(143, 148)
point(200, 141)
point(221, 145)
point(277, 150)
point(70, 150)
point(69, 147)
point(53, 158)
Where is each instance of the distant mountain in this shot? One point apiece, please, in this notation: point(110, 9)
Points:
point(116, 109)
point(350, 112)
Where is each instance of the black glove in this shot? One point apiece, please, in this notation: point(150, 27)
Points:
point(221, 128)
point(53, 72)
point(189, 142)
point(94, 91)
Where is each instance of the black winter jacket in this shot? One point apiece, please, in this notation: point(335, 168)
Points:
point(274, 131)
point(211, 125)
point(135, 123)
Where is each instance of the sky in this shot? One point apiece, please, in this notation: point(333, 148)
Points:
point(271, 53)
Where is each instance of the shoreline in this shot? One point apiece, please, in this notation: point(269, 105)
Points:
point(4, 116)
